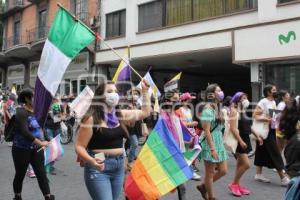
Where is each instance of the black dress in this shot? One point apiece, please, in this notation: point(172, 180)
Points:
point(245, 131)
point(268, 154)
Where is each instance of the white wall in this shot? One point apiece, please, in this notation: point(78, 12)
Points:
point(267, 11)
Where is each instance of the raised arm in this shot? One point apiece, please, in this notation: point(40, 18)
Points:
point(130, 116)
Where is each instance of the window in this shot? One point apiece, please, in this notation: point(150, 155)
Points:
point(82, 85)
point(116, 24)
point(172, 12)
point(42, 23)
point(178, 11)
point(81, 9)
point(74, 87)
point(17, 26)
point(153, 11)
point(285, 1)
point(67, 87)
point(284, 76)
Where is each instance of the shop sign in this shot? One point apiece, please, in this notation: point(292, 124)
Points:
point(268, 42)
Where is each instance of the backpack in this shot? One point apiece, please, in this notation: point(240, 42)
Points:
point(9, 131)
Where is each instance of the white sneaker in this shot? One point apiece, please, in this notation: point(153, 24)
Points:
point(261, 178)
point(285, 181)
point(9, 144)
point(196, 177)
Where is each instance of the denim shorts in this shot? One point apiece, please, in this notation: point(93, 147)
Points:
point(106, 184)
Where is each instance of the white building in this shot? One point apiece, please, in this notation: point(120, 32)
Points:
point(231, 42)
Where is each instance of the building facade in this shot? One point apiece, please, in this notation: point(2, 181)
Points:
point(26, 25)
point(240, 44)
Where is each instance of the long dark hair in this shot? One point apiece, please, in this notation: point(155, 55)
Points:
point(267, 89)
point(280, 95)
point(96, 109)
point(289, 119)
point(209, 91)
point(210, 98)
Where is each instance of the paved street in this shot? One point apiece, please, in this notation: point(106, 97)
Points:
point(69, 184)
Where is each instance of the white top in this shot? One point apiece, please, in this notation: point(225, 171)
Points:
point(265, 104)
point(281, 106)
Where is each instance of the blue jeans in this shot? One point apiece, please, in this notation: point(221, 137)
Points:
point(133, 139)
point(106, 184)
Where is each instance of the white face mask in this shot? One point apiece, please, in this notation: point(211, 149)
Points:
point(135, 97)
point(112, 99)
point(245, 103)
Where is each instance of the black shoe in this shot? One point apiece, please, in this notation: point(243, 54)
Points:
point(17, 197)
point(51, 197)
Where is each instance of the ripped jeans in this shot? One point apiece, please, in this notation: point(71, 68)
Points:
point(106, 184)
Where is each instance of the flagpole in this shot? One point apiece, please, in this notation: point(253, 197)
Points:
point(98, 37)
point(121, 58)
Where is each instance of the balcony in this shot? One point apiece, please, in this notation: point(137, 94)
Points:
point(37, 34)
point(11, 42)
point(83, 16)
point(12, 6)
point(34, 1)
point(31, 38)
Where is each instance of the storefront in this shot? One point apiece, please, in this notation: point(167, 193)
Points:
point(74, 80)
point(285, 76)
point(273, 53)
point(15, 76)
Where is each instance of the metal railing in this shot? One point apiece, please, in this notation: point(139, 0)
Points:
point(285, 1)
point(12, 4)
point(83, 16)
point(12, 41)
point(32, 35)
point(37, 33)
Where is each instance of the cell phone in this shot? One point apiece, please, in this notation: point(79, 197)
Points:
point(100, 156)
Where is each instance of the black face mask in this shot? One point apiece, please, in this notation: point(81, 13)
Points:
point(275, 95)
point(171, 105)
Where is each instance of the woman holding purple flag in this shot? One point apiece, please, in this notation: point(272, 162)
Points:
point(100, 140)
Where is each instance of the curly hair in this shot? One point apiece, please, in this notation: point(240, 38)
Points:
point(289, 119)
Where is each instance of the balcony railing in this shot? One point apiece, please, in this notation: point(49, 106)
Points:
point(13, 41)
point(32, 35)
point(13, 5)
point(35, 1)
point(83, 16)
point(37, 33)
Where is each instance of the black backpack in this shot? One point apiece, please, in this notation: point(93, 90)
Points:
point(9, 131)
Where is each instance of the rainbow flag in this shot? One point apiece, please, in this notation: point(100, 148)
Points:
point(54, 150)
point(123, 72)
point(159, 168)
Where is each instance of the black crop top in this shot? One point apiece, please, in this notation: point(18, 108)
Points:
point(107, 138)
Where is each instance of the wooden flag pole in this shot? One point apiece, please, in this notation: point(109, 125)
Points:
point(97, 36)
point(121, 58)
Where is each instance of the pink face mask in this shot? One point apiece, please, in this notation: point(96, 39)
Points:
point(220, 96)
